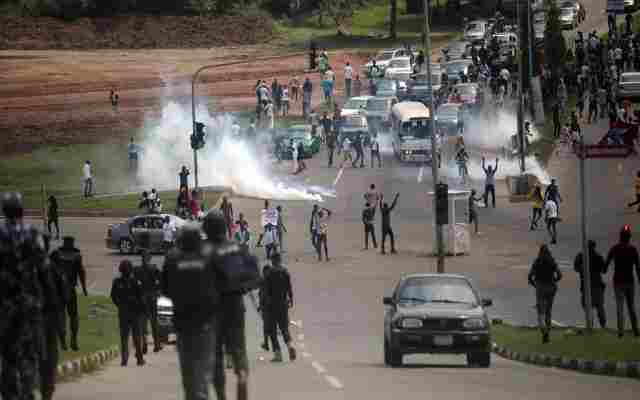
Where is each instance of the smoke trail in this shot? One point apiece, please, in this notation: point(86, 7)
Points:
point(505, 168)
point(229, 163)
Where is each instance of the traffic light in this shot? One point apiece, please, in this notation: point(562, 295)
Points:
point(442, 204)
point(197, 138)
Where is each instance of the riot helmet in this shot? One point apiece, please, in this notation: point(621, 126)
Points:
point(215, 226)
point(189, 239)
point(12, 206)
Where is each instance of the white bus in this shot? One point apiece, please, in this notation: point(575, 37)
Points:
point(410, 122)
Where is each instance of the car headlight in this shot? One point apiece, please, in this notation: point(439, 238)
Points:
point(409, 323)
point(474, 323)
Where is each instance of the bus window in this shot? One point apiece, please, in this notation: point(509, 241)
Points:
point(418, 129)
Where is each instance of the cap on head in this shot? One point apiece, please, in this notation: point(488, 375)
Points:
point(189, 239)
point(125, 267)
point(12, 206)
point(215, 226)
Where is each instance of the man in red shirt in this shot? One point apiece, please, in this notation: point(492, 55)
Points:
point(625, 258)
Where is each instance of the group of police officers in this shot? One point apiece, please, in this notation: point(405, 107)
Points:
point(205, 278)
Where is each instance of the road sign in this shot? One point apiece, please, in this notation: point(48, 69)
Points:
point(615, 6)
point(605, 151)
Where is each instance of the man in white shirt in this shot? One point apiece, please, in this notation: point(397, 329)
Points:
point(168, 233)
point(268, 216)
point(88, 179)
point(551, 215)
point(348, 76)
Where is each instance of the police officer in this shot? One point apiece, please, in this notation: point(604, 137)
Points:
point(68, 260)
point(231, 259)
point(279, 298)
point(126, 294)
point(191, 280)
point(149, 275)
point(23, 293)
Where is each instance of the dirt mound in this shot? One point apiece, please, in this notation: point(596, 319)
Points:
point(133, 32)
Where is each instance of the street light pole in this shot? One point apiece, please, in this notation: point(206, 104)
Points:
point(586, 262)
point(520, 87)
point(426, 37)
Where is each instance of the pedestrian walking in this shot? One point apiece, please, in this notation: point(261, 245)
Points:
point(226, 207)
point(490, 182)
point(68, 261)
point(473, 214)
point(553, 193)
point(625, 258)
point(133, 153)
point(279, 298)
point(243, 234)
point(348, 76)
point(375, 151)
point(593, 108)
point(551, 217)
point(358, 146)
point(544, 277)
point(302, 165)
point(270, 240)
point(88, 179)
point(331, 146)
point(168, 233)
point(183, 178)
point(294, 157)
point(294, 84)
point(324, 216)
point(150, 278)
point(263, 309)
point(52, 215)
point(462, 158)
point(556, 119)
point(285, 101)
point(597, 268)
point(307, 89)
point(314, 225)
point(368, 220)
point(357, 86)
point(281, 229)
point(636, 184)
point(537, 200)
point(386, 210)
point(346, 152)
point(126, 294)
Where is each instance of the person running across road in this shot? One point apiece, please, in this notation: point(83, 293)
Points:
point(375, 151)
point(537, 200)
point(385, 210)
point(625, 258)
point(473, 214)
point(544, 276)
point(636, 183)
point(490, 182)
point(551, 216)
point(324, 215)
point(368, 220)
point(597, 268)
point(279, 299)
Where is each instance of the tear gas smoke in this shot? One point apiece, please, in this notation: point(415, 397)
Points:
point(505, 168)
point(230, 163)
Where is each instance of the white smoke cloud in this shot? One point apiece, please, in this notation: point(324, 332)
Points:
point(229, 163)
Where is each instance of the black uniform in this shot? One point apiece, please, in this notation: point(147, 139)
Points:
point(279, 297)
point(68, 261)
point(597, 268)
point(126, 294)
point(368, 219)
point(149, 276)
point(25, 292)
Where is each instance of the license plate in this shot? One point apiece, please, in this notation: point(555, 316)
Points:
point(443, 340)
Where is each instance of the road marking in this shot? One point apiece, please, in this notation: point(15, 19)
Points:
point(334, 382)
point(306, 355)
point(301, 337)
point(318, 367)
point(339, 176)
point(420, 174)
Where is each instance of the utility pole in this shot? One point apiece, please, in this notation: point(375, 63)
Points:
point(531, 36)
point(586, 262)
point(434, 153)
point(521, 137)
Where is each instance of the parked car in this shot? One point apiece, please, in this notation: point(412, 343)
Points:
point(165, 318)
point(129, 237)
point(629, 86)
point(476, 29)
point(456, 50)
point(568, 18)
point(397, 66)
point(450, 119)
point(453, 69)
point(297, 134)
point(383, 59)
point(379, 112)
point(355, 105)
point(436, 313)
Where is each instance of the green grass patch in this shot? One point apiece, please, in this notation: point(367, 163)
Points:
point(96, 334)
point(601, 345)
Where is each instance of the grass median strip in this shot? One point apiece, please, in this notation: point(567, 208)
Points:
point(602, 345)
point(99, 333)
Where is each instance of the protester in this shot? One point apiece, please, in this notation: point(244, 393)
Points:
point(348, 76)
point(150, 279)
point(323, 217)
point(88, 179)
point(385, 211)
point(375, 151)
point(544, 276)
point(597, 268)
point(279, 298)
point(490, 182)
point(226, 207)
point(551, 217)
point(368, 220)
point(127, 295)
point(473, 214)
point(52, 215)
point(537, 200)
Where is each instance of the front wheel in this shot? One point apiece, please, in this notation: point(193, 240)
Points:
point(391, 357)
point(482, 359)
point(126, 246)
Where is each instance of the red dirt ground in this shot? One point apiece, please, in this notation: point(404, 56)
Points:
point(63, 96)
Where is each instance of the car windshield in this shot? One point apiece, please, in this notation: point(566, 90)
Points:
point(399, 64)
point(448, 110)
point(377, 104)
point(474, 26)
point(384, 56)
point(416, 128)
point(437, 290)
point(354, 104)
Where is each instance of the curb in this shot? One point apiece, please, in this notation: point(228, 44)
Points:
point(88, 363)
point(624, 369)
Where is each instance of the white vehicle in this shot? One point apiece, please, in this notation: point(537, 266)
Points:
point(397, 67)
point(410, 122)
point(383, 59)
point(354, 106)
point(476, 29)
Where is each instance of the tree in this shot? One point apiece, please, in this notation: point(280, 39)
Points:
point(555, 47)
point(393, 19)
point(340, 11)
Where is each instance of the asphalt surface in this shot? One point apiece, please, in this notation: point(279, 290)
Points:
point(338, 304)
